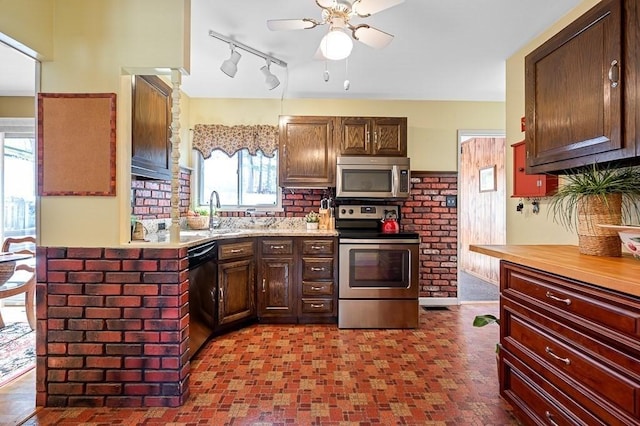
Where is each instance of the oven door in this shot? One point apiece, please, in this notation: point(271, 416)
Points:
point(378, 269)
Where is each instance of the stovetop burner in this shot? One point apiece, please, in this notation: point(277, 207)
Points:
point(374, 234)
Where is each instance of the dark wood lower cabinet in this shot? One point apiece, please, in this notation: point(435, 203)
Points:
point(570, 351)
point(236, 291)
point(276, 292)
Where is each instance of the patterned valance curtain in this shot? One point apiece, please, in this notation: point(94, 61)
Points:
point(230, 139)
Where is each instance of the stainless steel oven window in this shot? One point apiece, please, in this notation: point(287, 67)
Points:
point(375, 268)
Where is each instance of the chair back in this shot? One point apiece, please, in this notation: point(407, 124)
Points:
point(22, 245)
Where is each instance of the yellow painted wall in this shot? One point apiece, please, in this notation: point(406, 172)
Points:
point(87, 46)
point(433, 125)
point(527, 228)
point(17, 106)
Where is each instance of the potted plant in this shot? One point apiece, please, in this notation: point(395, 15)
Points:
point(597, 194)
point(312, 219)
point(198, 218)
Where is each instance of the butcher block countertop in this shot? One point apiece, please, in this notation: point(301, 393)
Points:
point(615, 273)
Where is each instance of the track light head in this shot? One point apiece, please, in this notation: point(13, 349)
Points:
point(270, 80)
point(230, 66)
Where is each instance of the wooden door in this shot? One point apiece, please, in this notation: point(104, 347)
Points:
point(390, 136)
point(276, 289)
point(482, 218)
point(236, 291)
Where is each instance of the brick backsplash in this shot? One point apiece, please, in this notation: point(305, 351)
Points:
point(151, 199)
point(425, 212)
point(112, 327)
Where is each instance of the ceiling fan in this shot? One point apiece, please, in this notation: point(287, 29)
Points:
point(337, 44)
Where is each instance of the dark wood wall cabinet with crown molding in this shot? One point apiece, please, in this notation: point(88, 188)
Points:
point(569, 350)
point(581, 91)
point(379, 136)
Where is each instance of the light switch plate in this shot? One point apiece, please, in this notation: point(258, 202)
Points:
point(451, 201)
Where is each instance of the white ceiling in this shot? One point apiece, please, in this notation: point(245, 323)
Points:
point(443, 50)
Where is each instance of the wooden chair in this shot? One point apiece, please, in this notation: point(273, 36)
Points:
point(22, 284)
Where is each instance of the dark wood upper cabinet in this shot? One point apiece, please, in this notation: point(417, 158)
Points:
point(151, 128)
point(306, 151)
point(580, 91)
point(383, 136)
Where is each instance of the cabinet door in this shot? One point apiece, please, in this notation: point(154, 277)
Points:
point(355, 136)
point(307, 153)
point(574, 94)
point(151, 121)
point(390, 136)
point(236, 291)
point(276, 289)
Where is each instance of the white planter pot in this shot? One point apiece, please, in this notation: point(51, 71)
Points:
point(312, 225)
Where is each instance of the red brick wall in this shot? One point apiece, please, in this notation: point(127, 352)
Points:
point(151, 199)
point(112, 327)
point(425, 212)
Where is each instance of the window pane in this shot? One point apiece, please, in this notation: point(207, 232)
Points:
point(19, 187)
point(243, 180)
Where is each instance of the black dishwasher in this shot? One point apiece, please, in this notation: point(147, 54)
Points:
point(203, 291)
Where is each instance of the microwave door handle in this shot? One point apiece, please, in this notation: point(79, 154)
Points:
point(395, 181)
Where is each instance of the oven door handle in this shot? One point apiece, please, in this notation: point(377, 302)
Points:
point(392, 241)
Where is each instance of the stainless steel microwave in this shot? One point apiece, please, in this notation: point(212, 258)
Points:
point(373, 177)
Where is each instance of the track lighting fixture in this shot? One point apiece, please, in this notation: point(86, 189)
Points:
point(230, 66)
point(269, 79)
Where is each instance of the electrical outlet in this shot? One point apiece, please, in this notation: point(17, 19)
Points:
point(161, 226)
point(451, 201)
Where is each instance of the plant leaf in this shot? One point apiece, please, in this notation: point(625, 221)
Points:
point(482, 320)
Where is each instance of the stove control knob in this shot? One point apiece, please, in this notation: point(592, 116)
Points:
point(350, 211)
point(343, 211)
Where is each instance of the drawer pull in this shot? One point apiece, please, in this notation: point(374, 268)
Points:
point(277, 247)
point(556, 357)
point(317, 306)
point(317, 247)
point(221, 295)
point(234, 251)
point(557, 299)
point(314, 288)
point(549, 417)
point(314, 269)
point(264, 285)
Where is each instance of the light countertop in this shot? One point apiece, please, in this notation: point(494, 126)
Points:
point(615, 273)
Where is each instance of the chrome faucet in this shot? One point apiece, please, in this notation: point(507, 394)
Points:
point(212, 224)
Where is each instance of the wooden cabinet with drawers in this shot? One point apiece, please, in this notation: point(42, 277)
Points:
point(569, 350)
point(296, 282)
point(236, 282)
point(276, 282)
point(318, 293)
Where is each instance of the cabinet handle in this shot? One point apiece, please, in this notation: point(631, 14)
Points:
point(375, 139)
point(614, 73)
point(314, 288)
point(317, 247)
point(221, 294)
point(234, 251)
point(556, 357)
point(549, 417)
point(277, 247)
point(316, 306)
point(213, 296)
point(557, 299)
point(313, 269)
point(521, 169)
point(264, 285)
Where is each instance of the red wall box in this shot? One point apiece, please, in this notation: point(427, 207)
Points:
point(530, 186)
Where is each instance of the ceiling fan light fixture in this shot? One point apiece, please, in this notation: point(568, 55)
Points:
point(336, 45)
point(269, 79)
point(230, 66)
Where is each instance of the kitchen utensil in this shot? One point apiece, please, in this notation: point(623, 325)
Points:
point(390, 222)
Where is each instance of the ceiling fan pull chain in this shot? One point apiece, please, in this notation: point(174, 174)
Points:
point(325, 74)
point(347, 83)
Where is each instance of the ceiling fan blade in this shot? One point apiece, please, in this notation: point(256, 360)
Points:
point(365, 8)
point(371, 36)
point(291, 24)
point(325, 4)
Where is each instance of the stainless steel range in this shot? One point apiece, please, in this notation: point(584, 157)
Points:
point(377, 271)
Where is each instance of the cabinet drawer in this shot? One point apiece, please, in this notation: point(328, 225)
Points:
point(317, 269)
point(277, 247)
point(531, 394)
point(317, 288)
point(235, 250)
point(568, 297)
point(317, 306)
point(552, 358)
point(317, 247)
